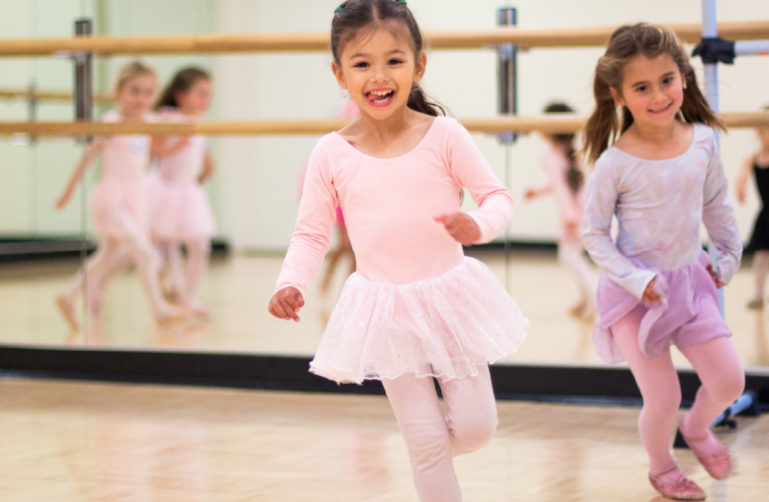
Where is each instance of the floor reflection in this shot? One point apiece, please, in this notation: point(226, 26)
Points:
point(239, 287)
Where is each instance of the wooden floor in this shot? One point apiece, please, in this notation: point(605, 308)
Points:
point(238, 288)
point(84, 442)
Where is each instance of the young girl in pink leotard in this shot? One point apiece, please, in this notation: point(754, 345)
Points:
point(416, 308)
point(117, 203)
point(565, 181)
point(181, 213)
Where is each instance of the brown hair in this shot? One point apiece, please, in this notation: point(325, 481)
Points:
point(354, 16)
point(131, 70)
point(626, 43)
point(182, 81)
point(573, 176)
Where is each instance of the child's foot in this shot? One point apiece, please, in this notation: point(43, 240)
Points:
point(67, 311)
point(199, 309)
point(674, 484)
point(756, 304)
point(710, 453)
point(172, 316)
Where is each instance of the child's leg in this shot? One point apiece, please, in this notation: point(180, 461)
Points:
point(760, 269)
point(723, 380)
point(471, 411)
point(658, 382)
point(147, 262)
point(423, 425)
point(198, 252)
point(571, 255)
point(174, 266)
point(432, 438)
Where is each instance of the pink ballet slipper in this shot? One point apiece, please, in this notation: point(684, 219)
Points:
point(719, 464)
point(674, 484)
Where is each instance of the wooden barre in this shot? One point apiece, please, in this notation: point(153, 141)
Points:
point(58, 96)
point(490, 125)
point(318, 42)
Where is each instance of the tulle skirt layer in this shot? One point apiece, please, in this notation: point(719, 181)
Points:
point(443, 327)
point(180, 212)
point(118, 210)
point(687, 314)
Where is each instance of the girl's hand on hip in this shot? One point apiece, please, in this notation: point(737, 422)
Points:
point(650, 295)
point(285, 303)
point(461, 227)
point(713, 276)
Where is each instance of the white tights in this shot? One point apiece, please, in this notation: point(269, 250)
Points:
point(434, 437)
point(186, 280)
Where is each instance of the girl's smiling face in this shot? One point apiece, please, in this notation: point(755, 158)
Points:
point(652, 89)
point(137, 95)
point(378, 69)
point(197, 99)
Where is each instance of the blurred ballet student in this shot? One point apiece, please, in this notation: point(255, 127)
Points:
point(117, 202)
point(566, 182)
point(181, 213)
point(758, 165)
point(661, 179)
point(416, 308)
point(343, 247)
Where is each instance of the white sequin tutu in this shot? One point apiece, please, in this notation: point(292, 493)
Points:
point(443, 327)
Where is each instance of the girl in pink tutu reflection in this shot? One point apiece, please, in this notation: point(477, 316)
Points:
point(118, 203)
point(416, 308)
point(661, 179)
point(181, 213)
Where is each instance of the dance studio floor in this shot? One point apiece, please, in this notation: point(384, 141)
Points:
point(89, 442)
point(238, 288)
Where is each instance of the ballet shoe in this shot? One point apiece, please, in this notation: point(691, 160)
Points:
point(755, 304)
point(718, 465)
point(67, 312)
point(674, 484)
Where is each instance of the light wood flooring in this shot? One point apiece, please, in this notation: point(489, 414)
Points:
point(96, 442)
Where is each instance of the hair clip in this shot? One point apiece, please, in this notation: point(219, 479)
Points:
point(337, 9)
point(402, 2)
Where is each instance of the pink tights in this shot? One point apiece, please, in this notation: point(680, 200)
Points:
point(719, 369)
point(434, 437)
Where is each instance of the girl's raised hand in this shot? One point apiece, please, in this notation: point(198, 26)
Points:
point(63, 200)
point(461, 227)
point(286, 302)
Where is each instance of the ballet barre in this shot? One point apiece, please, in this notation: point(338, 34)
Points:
point(490, 125)
point(318, 42)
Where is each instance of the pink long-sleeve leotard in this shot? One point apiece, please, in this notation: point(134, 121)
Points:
point(415, 304)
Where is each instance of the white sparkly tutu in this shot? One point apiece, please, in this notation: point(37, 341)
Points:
point(443, 327)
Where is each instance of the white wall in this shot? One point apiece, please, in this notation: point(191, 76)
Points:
point(258, 176)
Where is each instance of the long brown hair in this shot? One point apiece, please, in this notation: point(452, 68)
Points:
point(573, 176)
point(354, 16)
point(625, 43)
point(182, 81)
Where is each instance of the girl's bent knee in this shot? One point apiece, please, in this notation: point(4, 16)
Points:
point(473, 435)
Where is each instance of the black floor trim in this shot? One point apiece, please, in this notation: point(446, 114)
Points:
point(516, 382)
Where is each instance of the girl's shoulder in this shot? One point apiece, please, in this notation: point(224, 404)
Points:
point(112, 115)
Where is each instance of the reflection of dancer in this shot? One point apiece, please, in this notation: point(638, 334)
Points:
point(758, 164)
point(565, 180)
point(181, 213)
point(416, 307)
point(661, 179)
point(117, 202)
point(343, 247)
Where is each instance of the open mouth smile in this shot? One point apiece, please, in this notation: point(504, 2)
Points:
point(380, 97)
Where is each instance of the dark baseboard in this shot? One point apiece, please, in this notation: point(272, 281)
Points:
point(596, 385)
